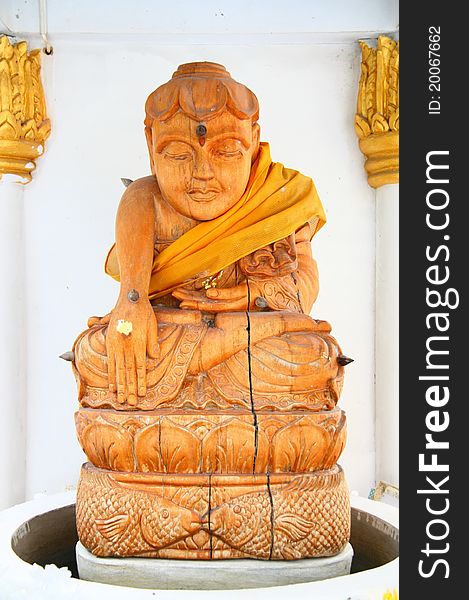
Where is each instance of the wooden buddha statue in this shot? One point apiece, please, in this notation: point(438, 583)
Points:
point(208, 395)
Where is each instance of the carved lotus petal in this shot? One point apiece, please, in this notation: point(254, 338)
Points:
point(362, 127)
point(230, 448)
point(9, 128)
point(299, 447)
point(339, 437)
point(379, 124)
point(394, 121)
point(30, 130)
point(200, 99)
point(167, 448)
point(108, 447)
point(239, 96)
point(43, 131)
point(6, 49)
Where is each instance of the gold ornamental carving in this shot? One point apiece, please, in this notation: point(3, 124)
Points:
point(377, 118)
point(24, 125)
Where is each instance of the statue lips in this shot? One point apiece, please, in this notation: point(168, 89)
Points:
point(203, 194)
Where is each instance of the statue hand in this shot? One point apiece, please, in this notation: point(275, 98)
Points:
point(214, 300)
point(131, 335)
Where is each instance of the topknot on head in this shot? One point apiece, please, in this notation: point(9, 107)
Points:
point(201, 69)
point(201, 90)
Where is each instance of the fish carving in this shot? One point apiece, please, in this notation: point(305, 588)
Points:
point(116, 521)
point(308, 517)
point(244, 523)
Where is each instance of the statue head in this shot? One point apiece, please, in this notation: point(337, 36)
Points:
point(202, 134)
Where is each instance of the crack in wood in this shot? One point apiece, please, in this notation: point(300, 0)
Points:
point(254, 415)
point(159, 444)
point(271, 499)
point(298, 295)
point(209, 512)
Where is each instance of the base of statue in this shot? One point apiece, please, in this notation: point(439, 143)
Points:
point(164, 574)
point(276, 516)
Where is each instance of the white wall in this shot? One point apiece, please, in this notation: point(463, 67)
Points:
point(204, 18)
point(96, 86)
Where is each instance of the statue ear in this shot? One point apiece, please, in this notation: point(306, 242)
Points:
point(149, 137)
point(256, 137)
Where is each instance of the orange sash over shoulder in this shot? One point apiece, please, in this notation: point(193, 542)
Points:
point(277, 202)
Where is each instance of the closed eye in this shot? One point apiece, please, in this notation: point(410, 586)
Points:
point(180, 157)
point(230, 148)
point(226, 154)
point(177, 151)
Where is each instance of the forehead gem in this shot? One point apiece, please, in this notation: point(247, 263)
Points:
point(201, 131)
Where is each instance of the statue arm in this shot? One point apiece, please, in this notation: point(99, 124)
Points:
point(135, 232)
point(307, 273)
point(132, 330)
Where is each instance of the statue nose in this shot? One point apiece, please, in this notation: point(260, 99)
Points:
point(202, 170)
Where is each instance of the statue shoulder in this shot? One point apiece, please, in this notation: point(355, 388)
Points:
point(145, 187)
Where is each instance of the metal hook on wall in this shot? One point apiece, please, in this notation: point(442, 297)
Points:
point(48, 49)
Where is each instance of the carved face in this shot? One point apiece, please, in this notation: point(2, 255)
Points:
point(203, 178)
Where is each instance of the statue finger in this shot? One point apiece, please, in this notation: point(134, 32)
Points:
point(141, 369)
point(228, 305)
point(111, 372)
point(181, 294)
point(120, 376)
point(130, 375)
point(235, 293)
point(141, 380)
point(220, 305)
point(191, 305)
point(205, 305)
